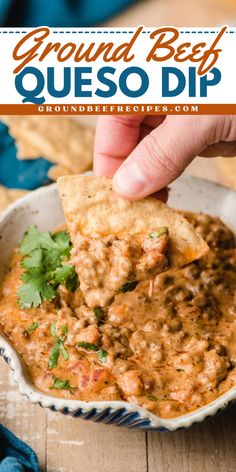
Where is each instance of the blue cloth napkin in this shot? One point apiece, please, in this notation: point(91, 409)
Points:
point(58, 12)
point(16, 456)
point(15, 173)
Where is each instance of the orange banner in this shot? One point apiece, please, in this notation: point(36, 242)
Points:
point(121, 109)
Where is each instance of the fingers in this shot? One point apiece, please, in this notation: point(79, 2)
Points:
point(163, 155)
point(116, 137)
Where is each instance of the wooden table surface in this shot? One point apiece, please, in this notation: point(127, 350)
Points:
point(65, 444)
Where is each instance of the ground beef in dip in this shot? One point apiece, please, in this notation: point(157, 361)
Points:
point(170, 353)
point(108, 264)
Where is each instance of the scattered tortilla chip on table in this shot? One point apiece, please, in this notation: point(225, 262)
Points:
point(118, 243)
point(26, 150)
point(8, 196)
point(59, 171)
point(60, 139)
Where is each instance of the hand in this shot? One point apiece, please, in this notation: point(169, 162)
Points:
point(144, 154)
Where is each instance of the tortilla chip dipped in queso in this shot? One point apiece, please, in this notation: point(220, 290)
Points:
point(118, 243)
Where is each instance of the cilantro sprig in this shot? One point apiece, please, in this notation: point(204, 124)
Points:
point(58, 347)
point(44, 262)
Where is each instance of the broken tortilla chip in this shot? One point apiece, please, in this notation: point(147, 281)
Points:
point(8, 196)
point(26, 150)
point(59, 171)
point(60, 139)
point(118, 243)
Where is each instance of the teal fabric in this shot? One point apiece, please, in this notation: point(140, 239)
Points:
point(15, 173)
point(16, 456)
point(58, 12)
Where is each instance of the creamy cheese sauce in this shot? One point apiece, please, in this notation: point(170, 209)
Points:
point(106, 264)
point(171, 352)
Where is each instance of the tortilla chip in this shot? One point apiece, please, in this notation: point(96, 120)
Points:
point(59, 139)
point(92, 209)
point(59, 171)
point(26, 150)
point(8, 196)
point(90, 203)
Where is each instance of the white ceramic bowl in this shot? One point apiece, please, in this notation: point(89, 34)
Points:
point(42, 208)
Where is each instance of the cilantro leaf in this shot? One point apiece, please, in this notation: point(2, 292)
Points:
point(47, 292)
point(54, 355)
point(62, 238)
point(129, 286)
point(35, 289)
point(58, 347)
point(60, 384)
point(88, 346)
point(101, 353)
point(102, 356)
point(52, 259)
point(44, 255)
point(67, 275)
point(34, 239)
point(34, 260)
point(54, 330)
point(64, 352)
point(99, 313)
point(62, 274)
point(31, 328)
point(72, 282)
point(29, 296)
point(64, 329)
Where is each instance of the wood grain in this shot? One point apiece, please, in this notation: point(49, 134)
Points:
point(206, 447)
point(76, 445)
point(24, 419)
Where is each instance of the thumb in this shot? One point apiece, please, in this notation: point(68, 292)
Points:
point(163, 155)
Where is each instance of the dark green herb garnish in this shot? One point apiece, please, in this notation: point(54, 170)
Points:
point(64, 352)
point(64, 329)
point(160, 232)
point(58, 347)
point(129, 286)
point(54, 355)
point(31, 328)
point(44, 256)
point(99, 313)
point(102, 356)
point(101, 353)
point(54, 330)
point(88, 346)
point(60, 384)
point(151, 397)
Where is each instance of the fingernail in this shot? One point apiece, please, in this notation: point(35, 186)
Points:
point(129, 179)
